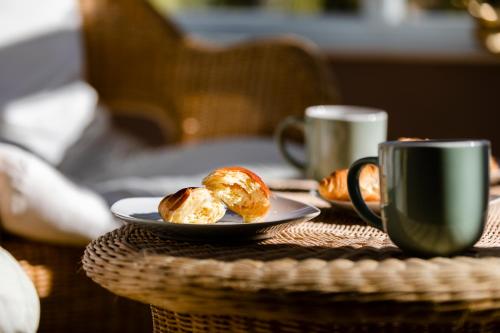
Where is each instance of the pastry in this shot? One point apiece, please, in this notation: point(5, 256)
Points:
point(493, 164)
point(192, 205)
point(411, 139)
point(241, 190)
point(334, 187)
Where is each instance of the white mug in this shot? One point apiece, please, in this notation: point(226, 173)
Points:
point(335, 137)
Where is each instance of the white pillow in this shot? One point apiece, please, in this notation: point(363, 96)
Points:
point(22, 20)
point(44, 103)
point(49, 122)
point(39, 203)
point(19, 303)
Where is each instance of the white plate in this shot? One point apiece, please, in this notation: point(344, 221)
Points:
point(375, 205)
point(283, 214)
point(347, 205)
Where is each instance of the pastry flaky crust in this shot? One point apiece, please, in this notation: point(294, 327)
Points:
point(334, 187)
point(241, 190)
point(191, 205)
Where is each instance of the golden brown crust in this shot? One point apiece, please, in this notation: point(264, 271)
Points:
point(194, 205)
point(251, 174)
point(173, 201)
point(334, 187)
point(241, 190)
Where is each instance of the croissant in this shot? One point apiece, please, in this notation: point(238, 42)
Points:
point(411, 139)
point(334, 187)
point(493, 164)
point(191, 205)
point(241, 190)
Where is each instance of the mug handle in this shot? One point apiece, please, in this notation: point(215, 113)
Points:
point(280, 139)
point(355, 192)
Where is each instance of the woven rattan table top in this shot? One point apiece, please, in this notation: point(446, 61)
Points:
point(326, 263)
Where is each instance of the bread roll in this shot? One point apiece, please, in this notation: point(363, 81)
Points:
point(334, 187)
point(241, 190)
point(194, 205)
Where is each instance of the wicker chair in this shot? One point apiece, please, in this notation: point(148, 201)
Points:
point(71, 302)
point(141, 64)
point(144, 68)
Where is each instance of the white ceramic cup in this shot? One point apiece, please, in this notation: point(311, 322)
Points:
point(335, 137)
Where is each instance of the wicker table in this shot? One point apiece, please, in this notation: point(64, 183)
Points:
point(333, 274)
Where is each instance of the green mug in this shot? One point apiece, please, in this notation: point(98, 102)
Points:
point(434, 194)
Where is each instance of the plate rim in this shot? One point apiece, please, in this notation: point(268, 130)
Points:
point(373, 205)
point(316, 211)
point(493, 198)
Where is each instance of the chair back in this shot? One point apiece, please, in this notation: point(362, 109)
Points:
point(142, 65)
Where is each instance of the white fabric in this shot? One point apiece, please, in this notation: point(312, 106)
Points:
point(44, 104)
point(117, 172)
point(116, 165)
point(19, 303)
point(99, 150)
point(40, 46)
point(48, 123)
point(39, 203)
point(23, 19)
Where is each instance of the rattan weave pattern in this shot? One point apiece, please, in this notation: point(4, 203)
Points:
point(69, 301)
point(170, 322)
point(330, 263)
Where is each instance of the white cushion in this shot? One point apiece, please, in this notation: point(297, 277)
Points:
point(48, 123)
point(22, 20)
point(161, 171)
point(40, 46)
point(39, 203)
point(44, 103)
point(19, 303)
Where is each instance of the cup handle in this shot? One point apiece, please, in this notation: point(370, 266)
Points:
point(355, 192)
point(280, 139)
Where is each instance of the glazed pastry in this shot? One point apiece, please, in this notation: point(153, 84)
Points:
point(191, 205)
point(334, 187)
point(241, 190)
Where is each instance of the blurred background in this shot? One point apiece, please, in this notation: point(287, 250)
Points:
point(138, 98)
point(434, 65)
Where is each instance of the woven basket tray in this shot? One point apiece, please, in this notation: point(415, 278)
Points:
point(334, 270)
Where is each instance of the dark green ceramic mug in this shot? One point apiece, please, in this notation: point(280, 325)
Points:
point(434, 194)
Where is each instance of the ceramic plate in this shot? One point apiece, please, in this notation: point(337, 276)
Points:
point(347, 205)
point(283, 214)
point(375, 205)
